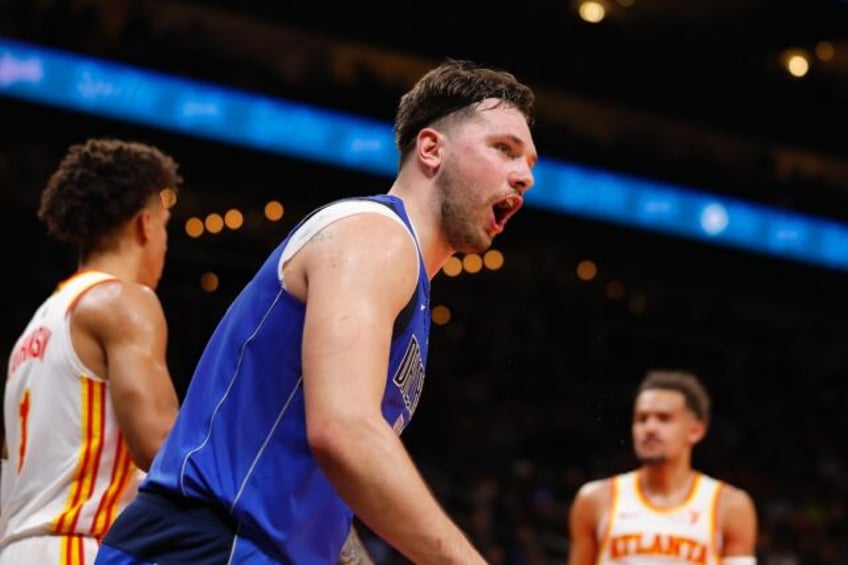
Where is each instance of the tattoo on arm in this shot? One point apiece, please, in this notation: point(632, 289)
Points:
point(353, 552)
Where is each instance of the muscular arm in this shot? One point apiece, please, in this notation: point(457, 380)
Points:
point(738, 523)
point(360, 272)
point(122, 327)
point(583, 520)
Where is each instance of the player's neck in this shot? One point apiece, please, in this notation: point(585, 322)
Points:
point(666, 485)
point(114, 264)
point(434, 247)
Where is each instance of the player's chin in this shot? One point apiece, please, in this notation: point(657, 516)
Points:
point(478, 243)
point(650, 459)
point(484, 245)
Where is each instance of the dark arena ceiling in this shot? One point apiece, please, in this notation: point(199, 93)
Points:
point(689, 91)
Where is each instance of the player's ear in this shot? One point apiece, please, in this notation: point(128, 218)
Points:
point(697, 431)
point(428, 148)
point(143, 224)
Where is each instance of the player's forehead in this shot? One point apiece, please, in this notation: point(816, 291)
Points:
point(500, 113)
point(659, 400)
point(496, 118)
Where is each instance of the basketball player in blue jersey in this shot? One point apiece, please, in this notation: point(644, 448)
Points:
point(290, 426)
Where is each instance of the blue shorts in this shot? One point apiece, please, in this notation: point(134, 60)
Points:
point(163, 529)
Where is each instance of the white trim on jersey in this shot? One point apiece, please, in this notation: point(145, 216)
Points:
point(332, 213)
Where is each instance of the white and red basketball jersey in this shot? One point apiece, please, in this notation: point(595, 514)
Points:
point(637, 532)
point(69, 470)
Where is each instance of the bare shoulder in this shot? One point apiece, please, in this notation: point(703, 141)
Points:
point(114, 314)
point(119, 296)
point(355, 249)
point(118, 304)
point(599, 488)
point(734, 499)
point(363, 244)
point(386, 232)
point(594, 496)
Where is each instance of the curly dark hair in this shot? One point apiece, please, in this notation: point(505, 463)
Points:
point(696, 396)
point(451, 86)
point(101, 184)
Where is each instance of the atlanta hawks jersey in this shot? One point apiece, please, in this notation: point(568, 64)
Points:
point(239, 442)
point(69, 470)
point(638, 533)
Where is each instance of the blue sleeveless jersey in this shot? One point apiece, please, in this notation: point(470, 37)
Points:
point(239, 441)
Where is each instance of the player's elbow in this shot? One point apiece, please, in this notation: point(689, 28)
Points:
point(143, 459)
point(326, 439)
point(335, 441)
point(143, 452)
point(144, 445)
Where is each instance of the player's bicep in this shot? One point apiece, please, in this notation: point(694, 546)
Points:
point(360, 273)
point(583, 520)
point(140, 384)
point(739, 523)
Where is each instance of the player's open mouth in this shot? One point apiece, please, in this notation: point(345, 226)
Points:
point(504, 210)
